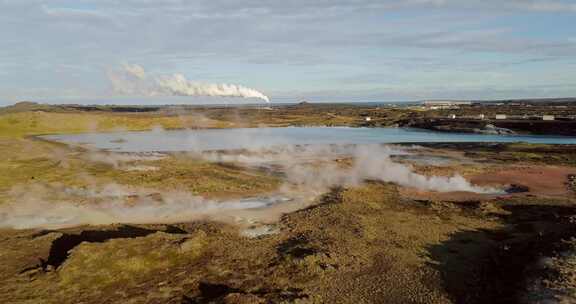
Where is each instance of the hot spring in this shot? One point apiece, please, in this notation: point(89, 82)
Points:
point(311, 161)
point(251, 138)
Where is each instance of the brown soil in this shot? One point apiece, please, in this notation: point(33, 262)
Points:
point(540, 180)
point(459, 196)
point(375, 243)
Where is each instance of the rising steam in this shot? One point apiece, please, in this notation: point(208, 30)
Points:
point(132, 79)
point(301, 166)
point(55, 206)
point(308, 171)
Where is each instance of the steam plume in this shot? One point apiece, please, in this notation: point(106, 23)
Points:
point(132, 79)
point(55, 206)
point(307, 170)
point(300, 167)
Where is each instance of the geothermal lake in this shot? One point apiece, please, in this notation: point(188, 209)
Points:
point(249, 138)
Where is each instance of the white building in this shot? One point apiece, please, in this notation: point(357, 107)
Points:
point(547, 117)
point(445, 104)
point(500, 116)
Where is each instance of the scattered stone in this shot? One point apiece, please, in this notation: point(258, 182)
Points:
point(491, 208)
point(572, 182)
point(515, 188)
point(257, 231)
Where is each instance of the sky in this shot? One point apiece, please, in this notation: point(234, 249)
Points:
point(62, 51)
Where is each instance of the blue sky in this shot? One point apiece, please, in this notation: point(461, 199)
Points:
point(326, 50)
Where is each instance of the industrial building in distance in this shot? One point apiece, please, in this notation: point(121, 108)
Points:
point(445, 104)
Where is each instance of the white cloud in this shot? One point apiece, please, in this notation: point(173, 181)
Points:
point(273, 45)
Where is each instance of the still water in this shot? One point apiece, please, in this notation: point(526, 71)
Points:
point(225, 139)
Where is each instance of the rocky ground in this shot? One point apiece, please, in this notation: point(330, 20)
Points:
point(368, 244)
point(488, 126)
point(372, 243)
point(524, 117)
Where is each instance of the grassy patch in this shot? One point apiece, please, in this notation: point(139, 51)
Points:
point(94, 266)
point(33, 123)
point(25, 161)
point(193, 175)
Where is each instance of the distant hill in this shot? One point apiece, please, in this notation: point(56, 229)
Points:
point(27, 106)
point(24, 106)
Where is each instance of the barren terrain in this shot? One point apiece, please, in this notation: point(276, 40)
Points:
point(372, 242)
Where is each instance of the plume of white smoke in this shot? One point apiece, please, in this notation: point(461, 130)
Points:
point(132, 79)
point(372, 163)
point(313, 167)
point(53, 206)
point(307, 170)
point(119, 160)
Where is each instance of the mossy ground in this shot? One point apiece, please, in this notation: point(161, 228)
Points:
point(357, 245)
point(335, 252)
point(39, 122)
point(364, 244)
point(26, 160)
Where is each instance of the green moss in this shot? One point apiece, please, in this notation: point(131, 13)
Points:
point(94, 266)
point(34, 123)
point(193, 175)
